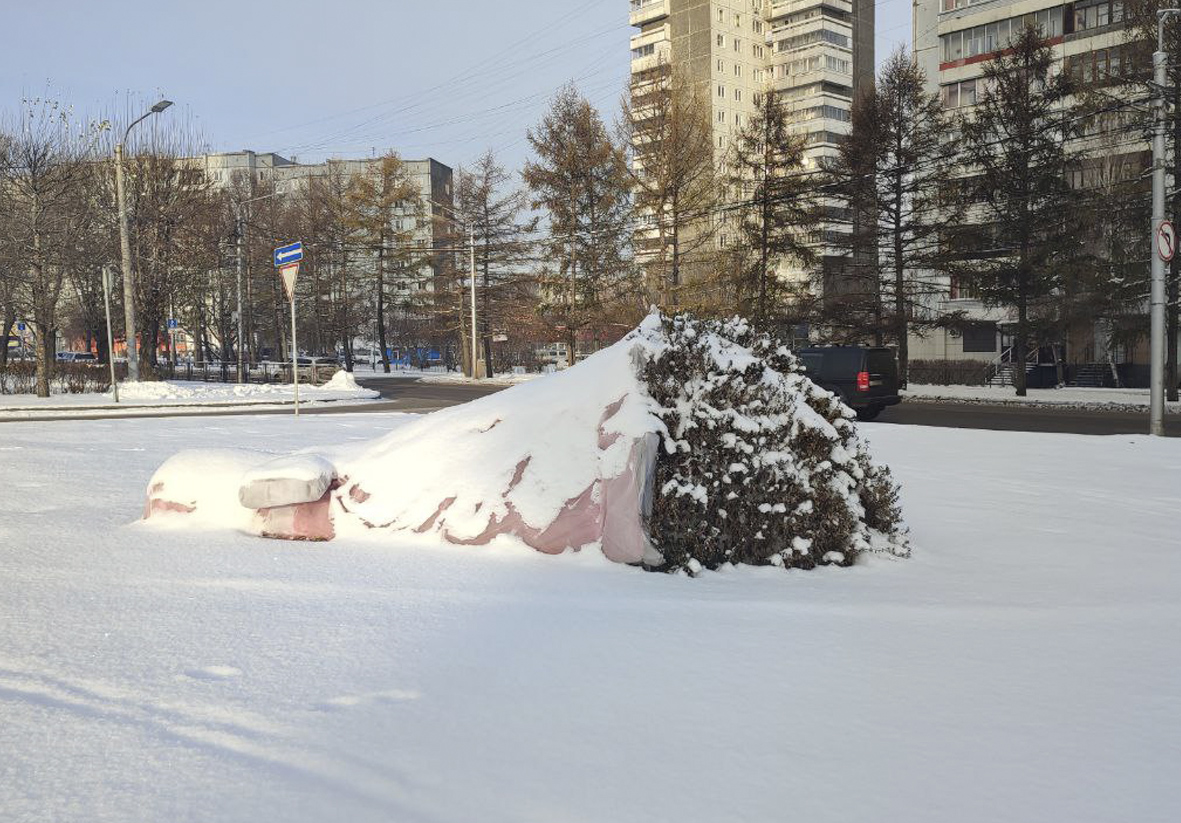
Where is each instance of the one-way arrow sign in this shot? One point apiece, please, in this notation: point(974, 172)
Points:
point(288, 254)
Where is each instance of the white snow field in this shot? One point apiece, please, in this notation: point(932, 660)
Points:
point(1021, 666)
point(170, 394)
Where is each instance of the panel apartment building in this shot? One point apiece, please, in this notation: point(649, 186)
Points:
point(816, 54)
point(432, 178)
point(953, 40)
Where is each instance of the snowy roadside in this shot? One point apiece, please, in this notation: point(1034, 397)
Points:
point(171, 394)
point(1029, 645)
point(498, 380)
point(1074, 398)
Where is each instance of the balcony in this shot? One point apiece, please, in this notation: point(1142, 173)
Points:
point(782, 9)
point(645, 11)
point(651, 48)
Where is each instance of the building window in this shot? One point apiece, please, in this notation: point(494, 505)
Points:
point(721, 65)
point(737, 70)
point(957, 95)
point(721, 15)
point(721, 116)
point(757, 25)
point(721, 40)
point(757, 50)
point(738, 95)
point(979, 337)
point(737, 44)
point(721, 91)
point(644, 51)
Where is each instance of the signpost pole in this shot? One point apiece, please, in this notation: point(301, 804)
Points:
point(286, 260)
point(295, 353)
point(110, 336)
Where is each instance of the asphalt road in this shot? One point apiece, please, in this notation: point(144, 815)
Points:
point(401, 394)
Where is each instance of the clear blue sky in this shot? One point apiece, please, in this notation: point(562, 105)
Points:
point(339, 78)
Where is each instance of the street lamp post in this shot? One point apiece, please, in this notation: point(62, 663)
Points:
point(125, 247)
point(1156, 415)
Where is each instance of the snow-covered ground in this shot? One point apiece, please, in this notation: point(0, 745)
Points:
point(507, 379)
point(1006, 395)
point(1021, 666)
point(172, 393)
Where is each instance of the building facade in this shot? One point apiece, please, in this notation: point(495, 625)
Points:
point(815, 54)
point(428, 226)
point(953, 41)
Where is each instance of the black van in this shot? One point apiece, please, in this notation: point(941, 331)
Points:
point(865, 378)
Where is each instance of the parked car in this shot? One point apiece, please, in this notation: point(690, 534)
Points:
point(76, 357)
point(865, 378)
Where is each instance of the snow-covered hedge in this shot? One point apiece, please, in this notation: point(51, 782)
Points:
point(759, 466)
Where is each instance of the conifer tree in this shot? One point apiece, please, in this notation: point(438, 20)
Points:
point(382, 206)
point(778, 208)
point(580, 179)
point(495, 213)
point(666, 125)
point(1016, 196)
point(888, 174)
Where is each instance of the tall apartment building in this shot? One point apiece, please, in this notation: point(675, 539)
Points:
point(816, 54)
point(953, 40)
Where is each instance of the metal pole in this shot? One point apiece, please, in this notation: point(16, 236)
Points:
point(110, 334)
point(128, 276)
point(241, 321)
point(475, 339)
point(295, 354)
point(1156, 424)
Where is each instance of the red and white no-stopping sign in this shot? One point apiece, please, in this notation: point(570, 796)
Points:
point(1166, 240)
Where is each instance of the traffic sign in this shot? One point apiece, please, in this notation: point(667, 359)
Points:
point(1166, 240)
point(20, 327)
point(292, 253)
point(172, 324)
point(288, 274)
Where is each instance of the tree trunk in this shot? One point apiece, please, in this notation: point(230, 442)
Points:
point(487, 324)
point(901, 328)
point(44, 352)
point(1019, 345)
point(381, 331)
point(104, 354)
point(6, 321)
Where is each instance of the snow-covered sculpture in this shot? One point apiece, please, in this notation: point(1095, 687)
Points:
point(591, 456)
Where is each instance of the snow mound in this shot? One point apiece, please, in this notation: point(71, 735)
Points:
point(342, 381)
point(591, 456)
point(155, 390)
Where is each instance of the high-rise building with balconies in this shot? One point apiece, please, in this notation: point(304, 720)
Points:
point(815, 54)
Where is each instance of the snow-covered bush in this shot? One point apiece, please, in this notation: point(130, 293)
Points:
point(759, 465)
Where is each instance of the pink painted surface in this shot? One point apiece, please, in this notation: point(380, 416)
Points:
point(303, 521)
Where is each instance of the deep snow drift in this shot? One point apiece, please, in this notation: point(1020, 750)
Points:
point(709, 424)
point(1021, 667)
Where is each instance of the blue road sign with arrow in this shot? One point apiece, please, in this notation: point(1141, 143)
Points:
point(288, 254)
